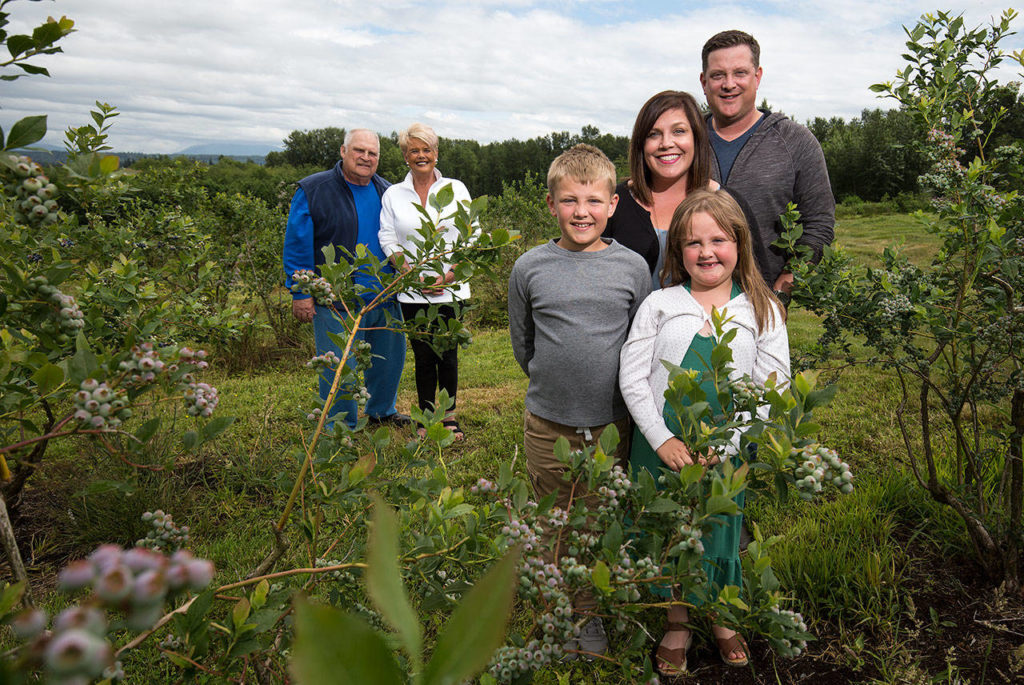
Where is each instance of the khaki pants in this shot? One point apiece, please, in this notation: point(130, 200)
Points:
point(545, 471)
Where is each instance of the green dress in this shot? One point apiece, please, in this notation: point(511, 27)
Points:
point(721, 559)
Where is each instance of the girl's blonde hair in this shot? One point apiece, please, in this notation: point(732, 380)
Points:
point(726, 212)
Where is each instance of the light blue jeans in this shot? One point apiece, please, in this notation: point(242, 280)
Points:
point(384, 373)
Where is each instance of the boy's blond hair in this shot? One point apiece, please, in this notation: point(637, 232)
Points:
point(584, 164)
point(726, 212)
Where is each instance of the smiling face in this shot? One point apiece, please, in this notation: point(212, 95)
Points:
point(359, 158)
point(668, 149)
point(709, 254)
point(420, 157)
point(730, 85)
point(582, 210)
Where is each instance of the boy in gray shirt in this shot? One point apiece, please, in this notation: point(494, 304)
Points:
point(570, 304)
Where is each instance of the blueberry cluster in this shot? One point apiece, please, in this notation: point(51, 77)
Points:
point(315, 414)
point(36, 204)
point(144, 365)
point(201, 399)
point(578, 542)
point(163, 535)
point(306, 281)
point(616, 490)
point(483, 486)
point(71, 317)
point(690, 539)
point(75, 650)
point(792, 622)
point(136, 581)
point(555, 626)
point(99, 406)
point(345, 576)
point(516, 531)
point(197, 357)
point(361, 396)
point(818, 466)
point(745, 391)
point(326, 361)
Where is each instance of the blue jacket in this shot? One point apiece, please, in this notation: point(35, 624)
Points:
point(323, 213)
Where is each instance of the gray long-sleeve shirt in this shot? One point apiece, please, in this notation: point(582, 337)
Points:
point(569, 313)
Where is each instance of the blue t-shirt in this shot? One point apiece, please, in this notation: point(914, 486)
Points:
point(368, 210)
point(728, 150)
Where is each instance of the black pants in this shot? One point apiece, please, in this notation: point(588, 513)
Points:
point(432, 371)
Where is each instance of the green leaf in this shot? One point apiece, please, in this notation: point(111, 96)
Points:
point(109, 164)
point(612, 539)
point(240, 612)
point(83, 364)
point(47, 378)
point(217, 426)
point(601, 576)
point(259, 595)
point(609, 439)
point(190, 439)
point(147, 430)
point(333, 647)
point(384, 581)
point(32, 69)
point(476, 628)
point(662, 505)
point(18, 44)
point(10, 597)
point(195, 616)
point(26, 131)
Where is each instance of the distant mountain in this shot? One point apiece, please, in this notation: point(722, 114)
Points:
point(229, 149)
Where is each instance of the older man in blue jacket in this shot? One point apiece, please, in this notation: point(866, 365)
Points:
point(341, 207)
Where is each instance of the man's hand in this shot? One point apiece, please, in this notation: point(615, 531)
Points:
point(674, 454)
point(784, 283)
point(303, 309)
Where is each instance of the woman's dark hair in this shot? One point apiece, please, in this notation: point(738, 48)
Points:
point(700, 169)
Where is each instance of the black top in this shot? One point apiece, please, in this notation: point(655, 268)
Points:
point(631, 225)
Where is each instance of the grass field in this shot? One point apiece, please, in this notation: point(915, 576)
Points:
point(881, 573)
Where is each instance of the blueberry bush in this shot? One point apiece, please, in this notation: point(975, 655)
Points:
point(949, 332)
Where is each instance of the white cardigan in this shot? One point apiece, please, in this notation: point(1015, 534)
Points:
point(400, 222)
point(663, 328)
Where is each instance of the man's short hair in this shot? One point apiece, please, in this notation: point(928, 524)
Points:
point(584, 164)
point(730, 39)
point(352, 131)
point(417, 131)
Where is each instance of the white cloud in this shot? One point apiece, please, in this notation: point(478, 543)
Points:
point(191, 71)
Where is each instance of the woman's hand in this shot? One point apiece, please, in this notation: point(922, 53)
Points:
point(674, 454)
point(437, 287)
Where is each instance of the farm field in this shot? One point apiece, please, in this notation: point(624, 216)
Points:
point(882, 575)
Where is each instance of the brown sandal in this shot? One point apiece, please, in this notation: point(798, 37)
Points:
point(671, 663)
point(728, 645)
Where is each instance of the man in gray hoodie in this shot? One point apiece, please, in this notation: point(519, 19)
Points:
point(767, 158)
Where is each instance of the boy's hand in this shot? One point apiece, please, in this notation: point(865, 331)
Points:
point(674, 454)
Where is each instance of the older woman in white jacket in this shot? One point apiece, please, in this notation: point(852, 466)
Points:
point(400, 221)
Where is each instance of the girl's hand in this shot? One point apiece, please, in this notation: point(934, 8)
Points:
point(674, 454)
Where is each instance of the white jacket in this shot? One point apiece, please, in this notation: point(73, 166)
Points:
point(400, 221)
point(664, 327)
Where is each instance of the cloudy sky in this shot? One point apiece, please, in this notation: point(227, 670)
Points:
point(184, 72)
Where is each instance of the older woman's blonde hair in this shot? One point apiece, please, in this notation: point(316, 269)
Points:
point(726, 212)
point(419, 132)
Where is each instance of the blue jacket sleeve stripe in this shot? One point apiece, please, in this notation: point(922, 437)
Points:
point(298, 241)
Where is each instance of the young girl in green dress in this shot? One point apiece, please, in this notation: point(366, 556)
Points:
point(709, 264)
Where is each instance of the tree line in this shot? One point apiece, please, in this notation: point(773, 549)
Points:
point(873, 157)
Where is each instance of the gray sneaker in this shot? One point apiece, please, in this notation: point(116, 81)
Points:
point(592, 638)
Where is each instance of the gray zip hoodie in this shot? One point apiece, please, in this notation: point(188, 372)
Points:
point(781, 163)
